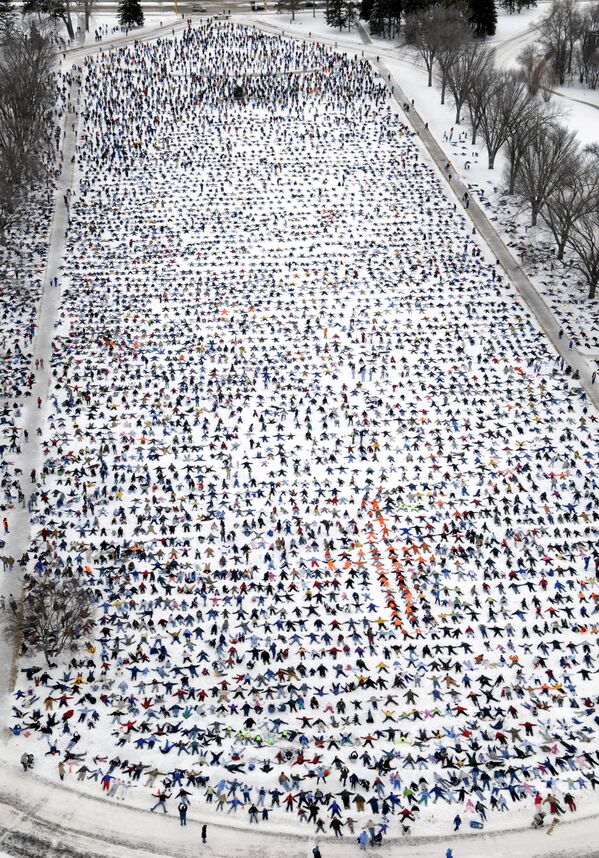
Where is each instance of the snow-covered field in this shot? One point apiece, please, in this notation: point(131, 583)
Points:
point(335, 498)
point(561, 287)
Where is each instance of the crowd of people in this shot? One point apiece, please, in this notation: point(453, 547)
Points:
point(560, 284)
point(333, 493)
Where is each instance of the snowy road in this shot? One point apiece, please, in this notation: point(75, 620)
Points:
point(93, 828)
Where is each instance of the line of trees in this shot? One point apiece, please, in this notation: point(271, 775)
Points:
point(513, 6)
point(341, 13)
point(569, 41)
point(386, 17)
point(511, 112)
point(58, 10)
point(28, 95)
point(129, 12)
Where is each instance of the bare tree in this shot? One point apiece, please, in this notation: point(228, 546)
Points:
point(454, 37)
point(560, 29)
point(57, 611)
point(27, 93)
point(424, 32)
point(587, 51)
point(507, 97)
point(291, 6)
point(88, 5)
point(536, 69)
point(58, 10)
point(546, 162)
point(575, 28)
point(473, 61)
point(584, 241)
point(575, 197)
point(532, 121)
point(587, 58)
point(476, 98)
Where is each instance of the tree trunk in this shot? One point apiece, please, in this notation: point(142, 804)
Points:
point(534, 213)
point(491, 160)
point(69, 24)
point(512, 181)
point(561, 247)
point(593, 289)
point(430, 73)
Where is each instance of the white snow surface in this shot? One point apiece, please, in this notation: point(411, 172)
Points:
point(317, 462)
point(560, 286)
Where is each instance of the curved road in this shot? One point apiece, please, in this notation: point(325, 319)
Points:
point(94, 827)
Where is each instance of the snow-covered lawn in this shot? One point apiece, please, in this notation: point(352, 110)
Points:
point(334, 496)
point(560, 286)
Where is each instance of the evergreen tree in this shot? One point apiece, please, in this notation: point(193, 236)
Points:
point(366, 9)
point(379, 15)
point(352, 13)
point(130, 13)
point(336, 13)
point(385, 17)
point(512, 6)
point(483, 17)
